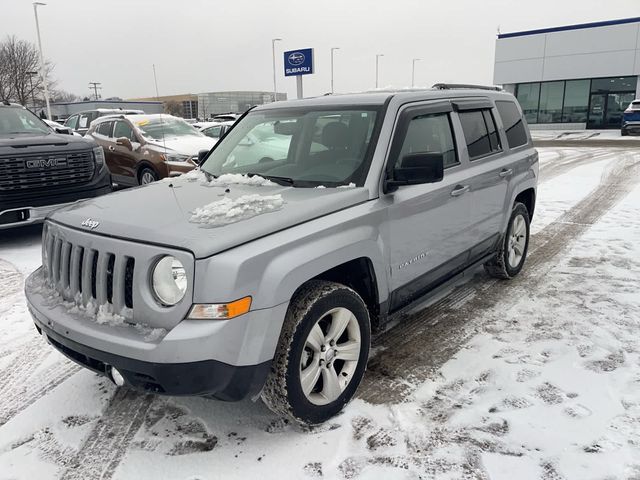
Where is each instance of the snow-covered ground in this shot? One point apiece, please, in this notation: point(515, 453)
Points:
point(537, 378)
point(581, 135)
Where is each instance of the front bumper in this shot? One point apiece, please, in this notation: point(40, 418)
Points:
point(175, 169)
point(19, 212)
point(209, 377)
point(227, 359)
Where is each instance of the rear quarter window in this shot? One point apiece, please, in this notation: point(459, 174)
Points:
point(513, 123)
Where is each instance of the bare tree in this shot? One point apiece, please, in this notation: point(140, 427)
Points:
point(20, 71)
point(173, 108)
point(64, 96)
point(6, 85)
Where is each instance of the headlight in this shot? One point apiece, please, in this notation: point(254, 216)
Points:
point(174, 157)
point(169, 281)
point(98, 154)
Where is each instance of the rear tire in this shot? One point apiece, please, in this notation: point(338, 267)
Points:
point(322, 353)
point(512, 252)
point(147, 175)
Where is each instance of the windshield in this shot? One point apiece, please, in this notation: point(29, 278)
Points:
point(19, 120)
point(302, 147)
point(166, 127)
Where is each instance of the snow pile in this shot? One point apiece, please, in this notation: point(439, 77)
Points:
point(101, 314)
point(351, 185)
point(237, 179)
point(225, 211)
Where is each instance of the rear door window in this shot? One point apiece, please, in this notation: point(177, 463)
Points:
point(513, 123)
point(480, 133)
point(84, 120)
point(105, 128)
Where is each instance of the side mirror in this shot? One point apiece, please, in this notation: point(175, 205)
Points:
point(124, 142)
point(415, 169)
point(202, 156)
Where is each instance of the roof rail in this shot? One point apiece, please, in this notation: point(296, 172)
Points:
point(451, 86)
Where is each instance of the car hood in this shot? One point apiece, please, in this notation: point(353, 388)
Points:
point(162, 213)
point(185, 145)
point(44, 139)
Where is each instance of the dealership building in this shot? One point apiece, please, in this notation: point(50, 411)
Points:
point(573, 77)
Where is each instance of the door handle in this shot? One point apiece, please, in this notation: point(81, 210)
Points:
point(111, 148)
point(459, 190)
point(506, 172)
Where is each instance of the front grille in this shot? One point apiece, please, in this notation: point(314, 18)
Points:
point(25, 173)
point(85, 275)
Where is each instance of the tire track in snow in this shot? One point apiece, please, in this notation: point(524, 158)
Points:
point(416, 348)
point(107, 443)
point(20, 395)
point(570, 159)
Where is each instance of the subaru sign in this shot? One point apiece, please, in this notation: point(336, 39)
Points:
point(298, 62)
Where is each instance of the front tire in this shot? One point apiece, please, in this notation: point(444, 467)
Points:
point(146, 176)
point(512, 252)
point(322, 354)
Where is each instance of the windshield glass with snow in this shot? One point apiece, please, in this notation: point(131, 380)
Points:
point(158, 129)
point(299, 147)
point(19, 120)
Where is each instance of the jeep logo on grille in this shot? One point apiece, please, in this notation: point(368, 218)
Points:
point(46, 162)
point(90, 224)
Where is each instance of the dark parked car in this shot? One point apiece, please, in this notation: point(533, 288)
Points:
point(631, 119)
point(42, 169)
point(80, 122)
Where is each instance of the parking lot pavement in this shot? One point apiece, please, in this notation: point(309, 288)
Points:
point(535, 376)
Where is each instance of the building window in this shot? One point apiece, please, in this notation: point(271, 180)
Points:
point(551, 98)
point(528, 95)
point(615, 84)
point(576, 101)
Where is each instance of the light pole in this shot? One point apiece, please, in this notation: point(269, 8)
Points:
point(413, 71)
point(33, 95)
point(378, 55)
point(42, 72)
point(333, 49)
point(273, 54)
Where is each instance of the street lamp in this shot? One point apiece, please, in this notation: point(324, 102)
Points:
point(42, 72)
point(378, 55)
point(333, 49)
point(273, 54)
point(413, 71)
point(33, 95)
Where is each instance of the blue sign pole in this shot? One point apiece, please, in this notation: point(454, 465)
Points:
point(298, 63)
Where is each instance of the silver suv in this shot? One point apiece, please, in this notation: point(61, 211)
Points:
point(308, 226)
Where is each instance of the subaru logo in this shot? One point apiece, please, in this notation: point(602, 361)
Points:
point(90, 224)
point(296, 58)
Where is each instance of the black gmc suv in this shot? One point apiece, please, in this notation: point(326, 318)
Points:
point(42, 169)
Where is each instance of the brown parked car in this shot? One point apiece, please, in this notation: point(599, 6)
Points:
point(140, 149)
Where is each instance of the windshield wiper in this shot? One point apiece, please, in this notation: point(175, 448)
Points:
point(281, 180)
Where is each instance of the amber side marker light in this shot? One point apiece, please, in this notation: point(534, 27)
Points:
point(220, 311)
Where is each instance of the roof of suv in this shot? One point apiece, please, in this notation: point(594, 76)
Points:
point(379, 97)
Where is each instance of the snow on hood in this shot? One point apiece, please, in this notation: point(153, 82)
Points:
point(165, 211)
point(225, 211)
point(184, 145)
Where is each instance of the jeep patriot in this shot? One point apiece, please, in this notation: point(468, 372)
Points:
point(310, 225)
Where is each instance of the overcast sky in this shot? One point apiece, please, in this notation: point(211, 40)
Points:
point(206, 45)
